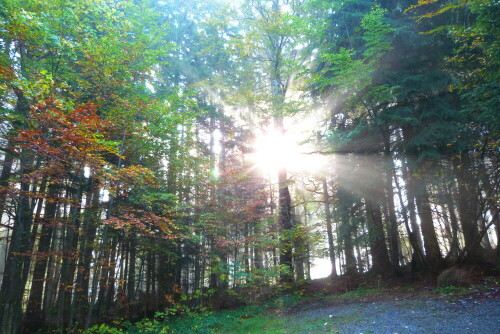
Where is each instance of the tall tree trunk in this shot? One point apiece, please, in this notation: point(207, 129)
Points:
point(13, 284)
point(4, 178)
point(392, 229)
point(300, 255)
point(99, 276)
point(149, 282)
point(329, 231)
point(132, 270)
point(218, 254)
point(111, 275)
point(35, 316)
point(495, 213)
point(407, 169)
point(258, 257)
point(70, 243)
point(246, 248)
point(284, 217)
point(417, 191)
point(53, 271)
point(450, 205)
point(378, 249)
point(468, 207)
point(12, 289)
point(417, 257)
point(89, 231)
point(285, 223)
point(346, 230)
point(431, 245)
point(306, 248)
point(374, 198)
point(278, 93)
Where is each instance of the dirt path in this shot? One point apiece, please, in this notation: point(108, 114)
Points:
point(474, 314)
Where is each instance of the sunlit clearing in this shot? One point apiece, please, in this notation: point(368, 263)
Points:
point(275, 150)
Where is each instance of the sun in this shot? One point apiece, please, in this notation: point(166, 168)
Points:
point(275, 150)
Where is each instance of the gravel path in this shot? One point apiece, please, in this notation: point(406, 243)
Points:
point(426, 315)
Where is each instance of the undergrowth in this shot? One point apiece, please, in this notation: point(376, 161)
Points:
point(275, 316)
point(185, 320)
point(267, 317)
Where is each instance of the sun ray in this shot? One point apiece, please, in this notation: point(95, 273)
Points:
point(275, 150)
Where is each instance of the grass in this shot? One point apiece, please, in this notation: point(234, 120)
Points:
point(453, 290)
point(283, 324)
point(268, 318)
point(359, 293)
point(257, 324)
point(273, 317)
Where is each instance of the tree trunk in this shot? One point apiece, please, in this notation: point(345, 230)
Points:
point(450, 205)
point(468, 207)
point(373, 188)
point(89, 230)
point(431, 245)
point(131, 268)
point(4, 179)
point(284, 217)
point(346, 230)
point(417, 257)
point(378, 249)
point(392, 228)
point(35, 316)
point(53, 272)
point(13, 284)
point(285, 223)
point(70, 243)
point(258, 256)
point(329, 232)
point(300, 255)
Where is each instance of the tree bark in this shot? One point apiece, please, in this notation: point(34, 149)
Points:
point(89, 231)
point(35, 315)
point(378, 249)
point(450, 205)
point(70, 245)
point(392, 228)
point(13, 284)
point(431, 245)
point(329, 231)
point(4, 179)
point(468, 207)
point(346, 230)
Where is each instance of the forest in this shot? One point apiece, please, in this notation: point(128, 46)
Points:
point(202, 153)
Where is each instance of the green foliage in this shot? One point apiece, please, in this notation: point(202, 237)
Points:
point(104, 329)
point(183, 319)
point(269, 317)
point(359, 293)
point(376, 31)
point(354, 68)
point(452, 290)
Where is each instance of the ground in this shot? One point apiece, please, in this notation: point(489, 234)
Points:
point(393, 309)
point(447, 310)
point(477, 313)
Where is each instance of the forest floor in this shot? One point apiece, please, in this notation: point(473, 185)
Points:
point(401, 310)
point(442, 312)
point(398, 309)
